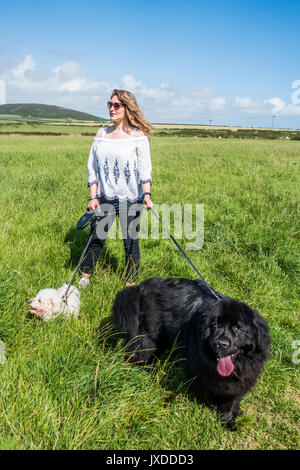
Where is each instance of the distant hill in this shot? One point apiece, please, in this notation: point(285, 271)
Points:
point(44, 111)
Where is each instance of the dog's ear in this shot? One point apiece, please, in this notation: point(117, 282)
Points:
point(261, 334)
point(204, 326)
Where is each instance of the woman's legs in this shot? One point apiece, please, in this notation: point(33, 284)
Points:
point(92, 256)
point(129, 215)
point(130, 230)
point(100, 234)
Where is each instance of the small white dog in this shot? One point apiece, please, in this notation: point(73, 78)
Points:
point(49, 303)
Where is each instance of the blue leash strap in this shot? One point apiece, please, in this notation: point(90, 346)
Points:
point(211, 291)
point(65, 296)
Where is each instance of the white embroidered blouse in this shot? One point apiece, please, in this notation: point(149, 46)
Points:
point(119, 166)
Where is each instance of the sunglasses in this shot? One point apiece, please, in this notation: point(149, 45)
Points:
point(116, 106)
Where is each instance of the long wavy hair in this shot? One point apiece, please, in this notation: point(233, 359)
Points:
point(133, 113)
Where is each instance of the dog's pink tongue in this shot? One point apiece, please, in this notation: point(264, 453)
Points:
point(225, 366)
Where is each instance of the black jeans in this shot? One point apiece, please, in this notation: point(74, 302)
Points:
point(129, 215)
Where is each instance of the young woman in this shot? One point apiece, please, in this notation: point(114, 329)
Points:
point(119, 168)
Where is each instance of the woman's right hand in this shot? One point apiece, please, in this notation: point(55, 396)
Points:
point(93, 204)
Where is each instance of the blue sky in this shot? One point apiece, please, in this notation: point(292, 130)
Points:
point(233, 62)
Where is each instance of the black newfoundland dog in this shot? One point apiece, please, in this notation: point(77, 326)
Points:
point(224, 343)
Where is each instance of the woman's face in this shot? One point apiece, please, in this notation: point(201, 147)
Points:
point(116, 115)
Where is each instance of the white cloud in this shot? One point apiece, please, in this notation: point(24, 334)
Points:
point(266, 108)
point(244, 103)
point(129, 83)
point(164, 91)
point(68, 85)
point(66, 77)
point(20, 69)
point(248, 106)
point(67, 70)
point(277, 104)
point(201, 92)
point(72, 85)
point(284, 109)
point(218, 104)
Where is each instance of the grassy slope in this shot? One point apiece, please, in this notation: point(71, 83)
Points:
point(66, 384)
point(44, 111)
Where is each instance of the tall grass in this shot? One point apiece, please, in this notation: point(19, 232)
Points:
point(66, 384)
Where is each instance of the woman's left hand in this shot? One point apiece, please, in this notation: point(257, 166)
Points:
point(148, 204)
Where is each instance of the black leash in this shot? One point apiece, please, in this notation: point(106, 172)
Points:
point(211, 291)
point(65, 296)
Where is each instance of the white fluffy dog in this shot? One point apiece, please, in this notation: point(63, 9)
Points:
point(49, 303)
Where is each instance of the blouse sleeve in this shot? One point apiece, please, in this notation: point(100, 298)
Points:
point(144, 161)
point(92, 169)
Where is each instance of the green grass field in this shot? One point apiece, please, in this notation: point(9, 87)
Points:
point(66, 384)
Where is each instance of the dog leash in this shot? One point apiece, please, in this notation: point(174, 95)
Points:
point(65, 296)
point(211, 291)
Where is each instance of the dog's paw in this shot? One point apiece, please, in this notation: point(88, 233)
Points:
point(228, 421)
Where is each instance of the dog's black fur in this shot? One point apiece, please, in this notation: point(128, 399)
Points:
point(224, 343)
